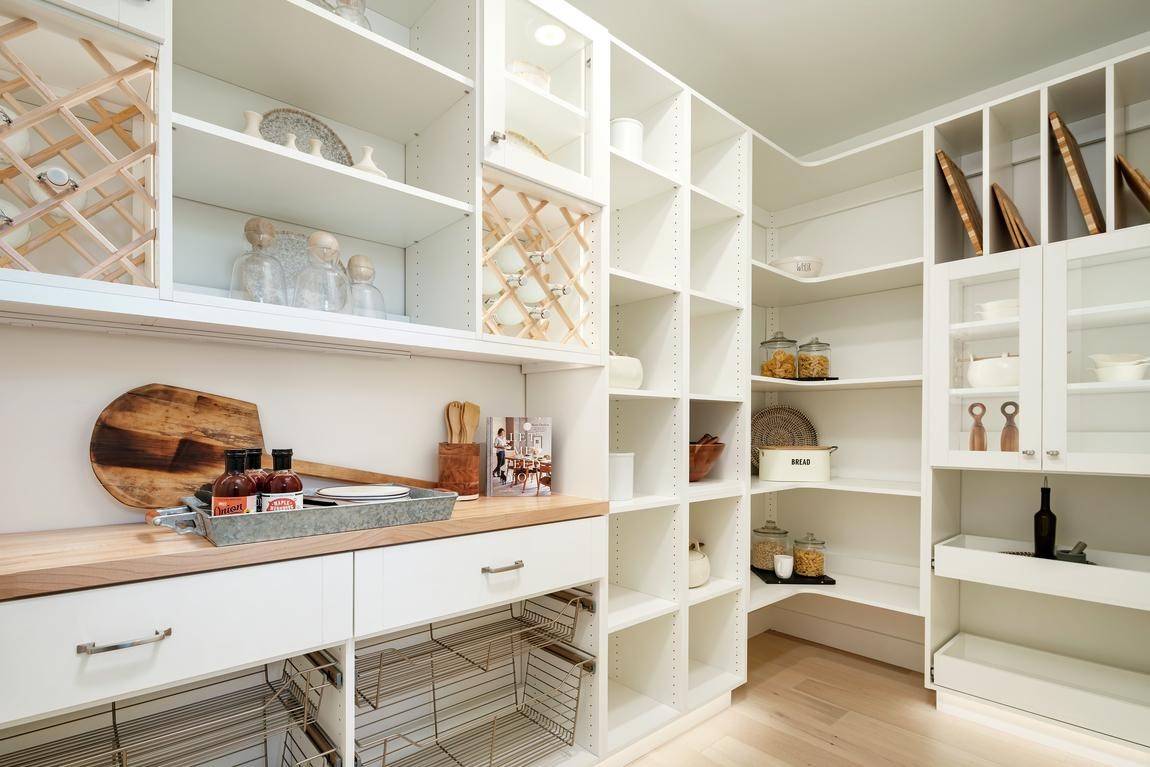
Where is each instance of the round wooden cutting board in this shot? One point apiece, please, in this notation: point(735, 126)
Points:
point(158, 443)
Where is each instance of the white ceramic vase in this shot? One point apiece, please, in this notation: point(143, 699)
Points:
point(290, 142)
point(367, 162)
point(315, 147)
point(252, 122)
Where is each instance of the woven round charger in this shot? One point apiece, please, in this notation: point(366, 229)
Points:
point(780, 427)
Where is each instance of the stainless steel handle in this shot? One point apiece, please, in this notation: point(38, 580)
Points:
point(1028, 453)
point(497, 136)
point(1052, 453)
point(91, 649)
point(505, 569)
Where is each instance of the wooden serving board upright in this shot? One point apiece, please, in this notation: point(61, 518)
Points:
point(157, 443)
point(1079, 178)
point(963, 199)
point(1136, 180)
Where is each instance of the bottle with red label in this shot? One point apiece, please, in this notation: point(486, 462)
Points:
point(234, 492)
point(257, 472)
point(284, 488)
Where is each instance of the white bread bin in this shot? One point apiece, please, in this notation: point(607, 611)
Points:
point(796, 464)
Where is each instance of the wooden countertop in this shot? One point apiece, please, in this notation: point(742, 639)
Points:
point(35, 564)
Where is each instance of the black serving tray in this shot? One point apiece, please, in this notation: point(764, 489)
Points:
point(768, 576)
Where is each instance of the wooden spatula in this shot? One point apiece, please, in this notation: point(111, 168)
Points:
point(470, 421)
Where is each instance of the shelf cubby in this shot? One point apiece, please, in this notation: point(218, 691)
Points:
point(641, 92)
point(650, 331)
point(645, 562)
point(715, 524)
point(962, 140)
point(642, 693)
point(716, 343)
point(1012, 159)
point(651, 429)
point(647, 237)
point(716, 646)
point(717, 260)
point(1131, 110)
point(724, 420)
point(1081, 103)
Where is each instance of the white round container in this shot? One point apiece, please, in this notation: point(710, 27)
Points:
point(800, 267)
point(796, 464)
point(627, 137)
point(621, 476)
point(624, 372)
point(1002, 370)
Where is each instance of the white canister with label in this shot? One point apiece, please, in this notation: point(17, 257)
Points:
point(627, 137)
point(795, 463)
point(621, 473)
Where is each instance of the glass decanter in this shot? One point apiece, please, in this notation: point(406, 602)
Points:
point(366, 298)
point(322, 285)
point(257, 275)
point(352, 10)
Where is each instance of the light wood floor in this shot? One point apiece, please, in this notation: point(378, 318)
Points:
point(805, 704)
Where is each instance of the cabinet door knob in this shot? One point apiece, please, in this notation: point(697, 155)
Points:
point(91, 648)
point(1052, 453)
point(1028, 453)
point(497, 136)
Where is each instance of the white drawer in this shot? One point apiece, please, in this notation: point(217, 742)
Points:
point(399, 586)
point(219, 621)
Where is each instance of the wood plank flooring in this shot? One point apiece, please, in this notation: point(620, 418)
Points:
point(810, 705)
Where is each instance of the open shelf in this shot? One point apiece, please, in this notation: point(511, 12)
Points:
point(1081, 103)
point(716, 648)
point(765, 384)
point(633, 181)
point(708, 210)
point(728, 398)
point(544, 118)
point(773, 287)
point(709, 489)
point(627, 607)
point(896, 597)
point(705, 682)
point(228, 169)
point(629, 288)
point(216, 37)
point(651, 428)
point(703, 304)
point(641, 502)
point(844, 485)
point(642, 394)
point(1105, 699)
point(1111, 578)
point(632, 715)
point(715, 587)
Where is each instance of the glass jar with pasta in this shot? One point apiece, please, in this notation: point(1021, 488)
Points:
point(780, 357)
point(810, 556)
point(815, 359)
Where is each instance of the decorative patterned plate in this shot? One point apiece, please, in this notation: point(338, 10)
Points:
point(780, 427)
point(277, 123)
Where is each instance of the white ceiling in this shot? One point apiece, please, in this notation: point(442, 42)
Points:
point(812, 73)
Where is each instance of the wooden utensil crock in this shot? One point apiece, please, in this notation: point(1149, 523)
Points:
point(459, 468)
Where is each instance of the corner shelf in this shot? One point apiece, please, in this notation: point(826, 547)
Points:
point(216, 39)
point(713, 588)
point(843, 484)
point(895, 597)
point(708, 210)
point(230, 169)
point(629, 287)
point(634, 181)
point(627, 607)
point(644, 502)
point(1112, 578)
point(765, 384)
point(773, 287)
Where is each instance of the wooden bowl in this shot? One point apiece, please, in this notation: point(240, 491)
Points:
point(702, 459)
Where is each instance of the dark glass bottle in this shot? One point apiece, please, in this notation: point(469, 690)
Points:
point(234, 492)
point(255, 468)
point(284, 489)
point(1044, 526)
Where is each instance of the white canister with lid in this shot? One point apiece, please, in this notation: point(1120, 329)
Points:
point(796, 463)
point(627, 137)
point(621, 476)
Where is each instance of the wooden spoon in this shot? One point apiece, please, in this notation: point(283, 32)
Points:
point(447, 422)
point(470, 421)
point(457, 421)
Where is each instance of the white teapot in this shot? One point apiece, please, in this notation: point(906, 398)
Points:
point(698, 565)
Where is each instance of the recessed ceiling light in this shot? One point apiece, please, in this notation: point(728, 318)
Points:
point(550, 35)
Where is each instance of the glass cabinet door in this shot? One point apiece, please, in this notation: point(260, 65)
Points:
point(544, 71)
point(1097, 376)
point(986, 361)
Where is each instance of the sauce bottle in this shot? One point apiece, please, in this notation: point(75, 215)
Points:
point(255, 470)
point(234, 492)
point(284, 488)
point(1044, 526)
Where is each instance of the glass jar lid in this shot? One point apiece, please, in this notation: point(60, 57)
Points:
point(814, 345)
point(770, 528)
point(778, 339)
point(810, 540)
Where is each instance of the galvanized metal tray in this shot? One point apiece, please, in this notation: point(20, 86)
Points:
point(229, 530)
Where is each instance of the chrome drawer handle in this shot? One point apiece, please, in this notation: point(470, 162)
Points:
point(91, 649)
point(505, 569)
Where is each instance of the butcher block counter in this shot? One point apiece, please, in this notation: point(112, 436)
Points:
point(36, 564)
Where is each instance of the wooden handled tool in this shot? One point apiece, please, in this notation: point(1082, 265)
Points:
point(978, 431)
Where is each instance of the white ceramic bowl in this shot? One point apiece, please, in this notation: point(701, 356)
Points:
point(993, 372)
point(1110, 360)
point(1116, 373)
point(800, 267)
point(1006, 309)
point(532, 74)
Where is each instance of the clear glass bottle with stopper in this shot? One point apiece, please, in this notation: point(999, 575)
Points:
point(323, 285)
point(366, 298)
point(257, 275)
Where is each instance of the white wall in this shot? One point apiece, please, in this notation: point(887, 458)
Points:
point(362, 412)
